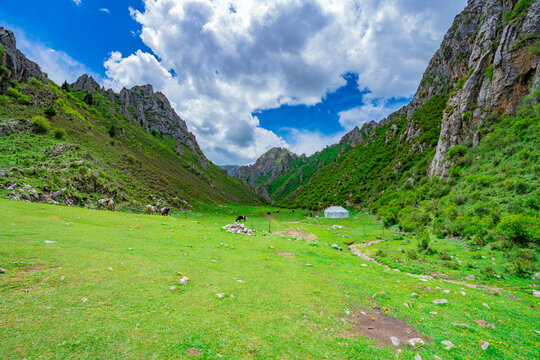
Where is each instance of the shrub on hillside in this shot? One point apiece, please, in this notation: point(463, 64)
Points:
point(21, 98)
point(59, 133)
point(50, 111)
point(41, 124)
point(520, 229)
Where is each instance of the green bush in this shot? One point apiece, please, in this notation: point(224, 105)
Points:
point(21, 98)
point(41, 124)
point(59, 133)
point(520, 228)
point(50, 111)
point(457, 151)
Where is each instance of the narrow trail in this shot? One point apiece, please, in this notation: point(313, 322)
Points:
point(356, 250)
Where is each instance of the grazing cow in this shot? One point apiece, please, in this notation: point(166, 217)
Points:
point(268, 213)
point(150, 209)
point(400, 228)
point(166, 211)
point(241, 218)
point(292, 210)
point(276, 211)
point(106, 203)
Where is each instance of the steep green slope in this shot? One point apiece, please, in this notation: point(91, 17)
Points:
point(54, 138)
point(361, 174)
point(300, 171)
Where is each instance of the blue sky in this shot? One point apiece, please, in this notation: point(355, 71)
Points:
point(87, 32)
point(297, 74)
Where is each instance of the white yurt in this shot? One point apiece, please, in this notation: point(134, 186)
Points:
point(336, 212)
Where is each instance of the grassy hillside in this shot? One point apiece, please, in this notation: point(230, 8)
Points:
point(90, 148)
point(491, 195)
point(77, 282)
point(300, 171)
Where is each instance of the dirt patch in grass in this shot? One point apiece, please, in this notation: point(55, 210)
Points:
point(485, 324)
point(285, 254)
point(380, 327)
point(293, 232)
point(194, 351)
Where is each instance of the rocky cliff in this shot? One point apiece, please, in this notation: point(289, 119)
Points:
point(17, 66)
point(486, 63)
point(268, 166)
point(501, 68)
point(151, 110)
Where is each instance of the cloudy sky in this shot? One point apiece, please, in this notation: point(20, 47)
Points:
point(246, 75)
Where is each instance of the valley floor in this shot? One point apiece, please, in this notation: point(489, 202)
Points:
point(79, 283)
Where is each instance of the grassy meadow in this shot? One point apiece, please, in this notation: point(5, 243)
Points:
point(80, 283)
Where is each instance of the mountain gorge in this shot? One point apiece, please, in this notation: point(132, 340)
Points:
point(452, 158)
point(82, 142)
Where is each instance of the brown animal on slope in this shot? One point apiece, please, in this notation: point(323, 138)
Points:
point(106, 203)
point(150, 209)
point(166, 211)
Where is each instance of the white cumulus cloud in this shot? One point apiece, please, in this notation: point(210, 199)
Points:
point(233, 57)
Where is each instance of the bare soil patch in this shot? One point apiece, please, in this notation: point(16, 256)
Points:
point(293, 232)
point(194, 351)
point(285, 254)
point(380, 327)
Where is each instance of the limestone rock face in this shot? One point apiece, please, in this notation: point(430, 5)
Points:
point(19, 67)
point(151, 110)
point(270, 165)
point(88, 83)
point(502, 70)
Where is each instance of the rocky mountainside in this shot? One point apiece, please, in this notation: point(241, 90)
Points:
point(279, 172)
point(80, 142)
point(14, 64)
point(486, 64)
point(151, 110)
point(268, 166)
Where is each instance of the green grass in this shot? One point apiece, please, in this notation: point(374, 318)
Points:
point(284, 310)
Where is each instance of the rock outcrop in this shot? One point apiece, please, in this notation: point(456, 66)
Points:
point(87, 83)
point(150, 110)
point(268, 167)
point(18, 66)
point(502, 70)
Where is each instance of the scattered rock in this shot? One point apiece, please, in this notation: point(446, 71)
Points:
point(337, 227)
point(308, 264)
point(62, 277)
point(416, 342)
point(417, 357)
point(414, 295)
point(486, 305)
point(363, 265)
point(232, 296)
point(463, 293)
point(446, 291)
point(335, 246)
point(536, 293)
point(424, 280)
point(395, 340)
point(484, 345)
point(220, 295)
point(2, 271)
point(84, 300)
point(223, 244)
point(460, 324)
point(447, 344)
point(343, 344)
point(440, 301)
point(433, 312)
point(184, 280)
point(110, 268)
point(237, 228)
point(348, 312)
point(173, 288)
point(536, 275)
point(50, 242)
